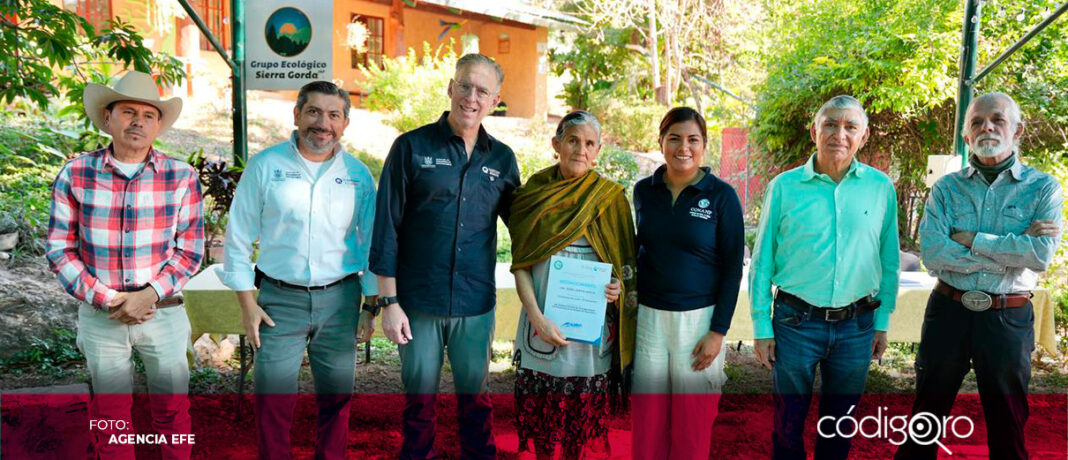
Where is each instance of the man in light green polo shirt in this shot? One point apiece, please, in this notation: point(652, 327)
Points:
point(828, 241)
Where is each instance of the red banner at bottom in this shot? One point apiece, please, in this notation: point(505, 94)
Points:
point(60, 426)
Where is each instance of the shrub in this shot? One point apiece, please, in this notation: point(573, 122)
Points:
point(372, 162)
point(629, 121)
point(32, 150)
point(218, 183)
point(504, 243)
point(532, 161)
point(618, 165)
point(51, 354)
point(409, 89)
point(1056, 277)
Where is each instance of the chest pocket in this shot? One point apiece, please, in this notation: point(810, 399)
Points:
point(1015, 219)
point(964, 213)
point(485, 191)
point(344, 198)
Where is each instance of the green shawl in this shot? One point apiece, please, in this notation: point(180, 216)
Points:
point(549, 213)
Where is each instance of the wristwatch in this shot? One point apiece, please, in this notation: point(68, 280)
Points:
point(385, 301)
point(371, 308)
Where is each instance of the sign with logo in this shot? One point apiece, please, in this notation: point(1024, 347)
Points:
point(288, 44)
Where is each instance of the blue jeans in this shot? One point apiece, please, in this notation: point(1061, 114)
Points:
point(842, 349)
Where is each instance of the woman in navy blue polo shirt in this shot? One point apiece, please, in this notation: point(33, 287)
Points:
point(690, 246)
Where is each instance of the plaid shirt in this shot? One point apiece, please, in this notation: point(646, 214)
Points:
point(110, 234)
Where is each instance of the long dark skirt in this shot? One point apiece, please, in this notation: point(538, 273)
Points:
point(568, 411)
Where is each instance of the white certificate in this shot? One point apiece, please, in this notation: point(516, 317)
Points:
point(574, 299)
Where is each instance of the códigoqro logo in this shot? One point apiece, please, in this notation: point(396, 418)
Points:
point(923, 428)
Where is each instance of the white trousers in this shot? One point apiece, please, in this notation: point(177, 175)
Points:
point(674, 406)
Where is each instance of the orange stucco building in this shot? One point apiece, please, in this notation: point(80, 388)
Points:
point(513, 33)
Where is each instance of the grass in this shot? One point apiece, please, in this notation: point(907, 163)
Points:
point(383, 351)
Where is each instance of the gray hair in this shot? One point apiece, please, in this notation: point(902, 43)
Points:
point(577, 118)
point(1015, 115)
point(1014, 109)
point(842, 101)
point(323, 87)
point(477, 58)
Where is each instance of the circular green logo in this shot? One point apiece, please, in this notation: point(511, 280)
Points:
point(288, 31)
point(558, 265)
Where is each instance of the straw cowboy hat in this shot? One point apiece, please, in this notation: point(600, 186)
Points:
point(134, 86)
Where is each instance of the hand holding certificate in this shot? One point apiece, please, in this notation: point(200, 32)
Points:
point(575, 297)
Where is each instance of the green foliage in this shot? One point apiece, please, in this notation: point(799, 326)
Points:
point(628, 120)
point(372, 162)
point(750, 238)
point(504, 243)
point(410, 89)
point(531, 162)
point(1056, 277)
point(218, 184)
point(32, 150)
point(1036, 75)
point(39, 38)
point(900, 58)
point(50, 355)
point(618, 165)
point(204, 377)
point(597, 63)
point(1060, 313)
point(384, 351)
point(894, 56)
point(138, 363)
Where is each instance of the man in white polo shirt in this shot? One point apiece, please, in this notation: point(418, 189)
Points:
point(311, 206)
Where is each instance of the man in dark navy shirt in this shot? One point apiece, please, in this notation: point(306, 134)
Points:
point(434, 251)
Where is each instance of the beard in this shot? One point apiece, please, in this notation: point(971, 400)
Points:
point(313, 144)
point(987, 150)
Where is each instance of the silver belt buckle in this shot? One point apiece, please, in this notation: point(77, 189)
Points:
point(976, 300)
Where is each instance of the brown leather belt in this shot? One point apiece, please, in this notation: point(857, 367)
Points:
point(980, 301)
point(172, 301)
point(862, 305)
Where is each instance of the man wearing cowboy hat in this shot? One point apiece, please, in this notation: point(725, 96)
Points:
point(126, 232)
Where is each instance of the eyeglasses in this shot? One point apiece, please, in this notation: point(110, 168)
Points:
point(464, 89)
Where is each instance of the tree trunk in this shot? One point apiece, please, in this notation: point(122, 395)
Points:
point(669, 68)
point(654, 54)
point(693, 90)
point(676, 50)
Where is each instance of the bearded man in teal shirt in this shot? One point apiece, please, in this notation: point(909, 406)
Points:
point(987, 231)
point(828, 241)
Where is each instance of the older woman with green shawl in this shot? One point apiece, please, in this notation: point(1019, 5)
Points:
point(565, 390)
